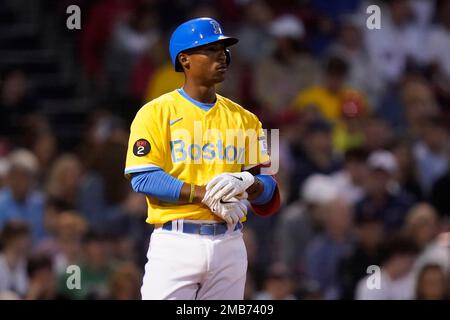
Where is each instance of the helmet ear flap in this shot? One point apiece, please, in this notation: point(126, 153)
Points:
point(228, 56)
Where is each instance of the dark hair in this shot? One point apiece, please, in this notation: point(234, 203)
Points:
point(319, 125)
point(336, 66)
point(434, 121)
point(398, 244)
point(8, 72)
point(358, 154)
point(95, 236)
point(12, 230)
point(421, 275)
point(58, 204)
point(39, 262)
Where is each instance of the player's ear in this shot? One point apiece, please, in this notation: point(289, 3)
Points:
point(183, 59)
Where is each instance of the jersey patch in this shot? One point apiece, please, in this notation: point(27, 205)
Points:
point(141, 148)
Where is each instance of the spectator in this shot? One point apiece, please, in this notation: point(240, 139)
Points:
point(70, 228)
point(349, 130)
point(45, 150)
point(350, 47)
point(423, 226)
point(15, 243)
point(53, 209)
point(326, 98)
point(377, 134)
point(19, 199)
point(95, 268)
point(432, 283)
point(164, 78)
point(16, 104)
point(438, 40)
point(326, 15)
point(64, 180)
point(389, 61)
point(314, 155)
point(278, 286)
point(370, 234)
point(280, 76)
point(129, 41)
point(350, 181)
point(384, 199)
point(254, 33)
point(100, 23)
point(397, 258)
point(325, 252)
point(431, 152)
point(125, 283)
point(406, 173)
point(302, 220)
point(145, 68)
point(103, 188)
point(42, 279)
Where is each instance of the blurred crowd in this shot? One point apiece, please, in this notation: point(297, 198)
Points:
point(364, 118)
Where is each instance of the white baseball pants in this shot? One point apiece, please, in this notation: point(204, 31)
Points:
point(184, 266)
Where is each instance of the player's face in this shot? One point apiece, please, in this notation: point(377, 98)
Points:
point(207, 63)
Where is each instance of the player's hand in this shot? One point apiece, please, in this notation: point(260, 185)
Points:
point(232, 211)
point(228, 185)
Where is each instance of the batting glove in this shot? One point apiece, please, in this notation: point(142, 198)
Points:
point(232, 211)
point(228, 185)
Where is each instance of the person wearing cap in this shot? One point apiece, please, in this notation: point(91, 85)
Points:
point(281, 75)
point(199, 158)
point(300, 221)
point(384, 198)
point(19, 199)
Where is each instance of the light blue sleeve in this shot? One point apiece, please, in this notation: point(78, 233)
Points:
point(157, 184)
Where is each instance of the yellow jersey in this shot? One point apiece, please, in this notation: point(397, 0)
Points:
point(193, 145)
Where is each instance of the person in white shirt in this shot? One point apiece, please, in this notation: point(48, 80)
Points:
point(392, 282)
point(16, 239)
point(438, 41)
point(395, 42)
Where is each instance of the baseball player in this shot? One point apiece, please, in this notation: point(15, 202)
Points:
point(197, 156)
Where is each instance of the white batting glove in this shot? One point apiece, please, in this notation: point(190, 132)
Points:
point(228, 185)
point(232, 211)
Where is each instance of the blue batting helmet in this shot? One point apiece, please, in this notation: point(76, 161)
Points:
point(195, 33)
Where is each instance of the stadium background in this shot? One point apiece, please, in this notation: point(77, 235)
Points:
point(363, 118)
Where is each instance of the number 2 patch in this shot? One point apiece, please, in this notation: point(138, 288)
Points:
point(141, 147)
